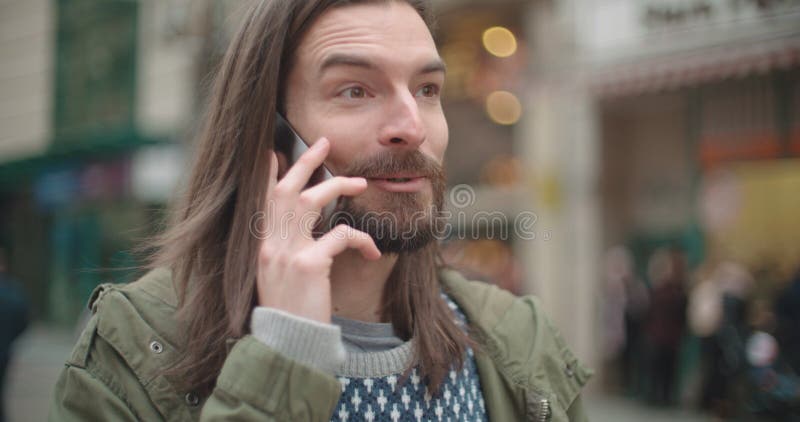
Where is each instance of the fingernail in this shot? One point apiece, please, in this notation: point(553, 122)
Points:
point(321, 143)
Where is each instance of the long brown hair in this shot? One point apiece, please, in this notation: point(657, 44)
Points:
point(209, 245)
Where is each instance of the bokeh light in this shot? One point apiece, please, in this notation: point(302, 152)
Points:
point(499, 41)
point(503, 107)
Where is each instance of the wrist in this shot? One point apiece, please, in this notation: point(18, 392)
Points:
point(310, 342)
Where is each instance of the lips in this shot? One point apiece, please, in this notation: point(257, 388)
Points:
point(398, 177)
point(403, 182)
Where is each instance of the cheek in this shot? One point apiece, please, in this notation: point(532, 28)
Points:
point(346, 144)
point(438, 137)
point(353, 134)
point(338, 161)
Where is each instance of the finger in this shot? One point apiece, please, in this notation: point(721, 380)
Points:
point(260, 222)
point(273, 173)
point(317, 196)
point(272, 180)
point(344, 237)
point(298, 174)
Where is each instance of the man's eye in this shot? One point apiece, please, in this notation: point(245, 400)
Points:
point(429, 90)
point(354, 92)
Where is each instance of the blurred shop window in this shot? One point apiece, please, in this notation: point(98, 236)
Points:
point(95, 69)
point(485, 259)
point(486, 61)
point(484, 50)
point(739, 120)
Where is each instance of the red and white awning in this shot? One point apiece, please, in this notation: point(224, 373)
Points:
point(694, 67)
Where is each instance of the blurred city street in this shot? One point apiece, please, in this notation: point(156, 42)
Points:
point(634, 164)
point(40, 354)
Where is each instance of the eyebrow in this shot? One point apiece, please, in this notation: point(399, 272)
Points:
point(334, 60)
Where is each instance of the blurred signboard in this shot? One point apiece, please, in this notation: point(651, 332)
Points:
point(637, 46)
point(739, 119)
point(673, 15)
point(762, 224)
point(67, 184)
point(614, 29)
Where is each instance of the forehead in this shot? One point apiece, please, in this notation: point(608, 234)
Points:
point(390, 31)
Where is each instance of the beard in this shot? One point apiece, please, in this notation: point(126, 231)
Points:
point(396, 221)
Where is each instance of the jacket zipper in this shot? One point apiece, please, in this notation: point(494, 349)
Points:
point(544, 410)
point(539, 408)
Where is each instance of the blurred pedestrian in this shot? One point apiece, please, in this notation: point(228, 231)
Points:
point(704, 316)
point(665, 323)
point(618, 269)
point(787, 313)
point(726, 374)
point(774, 391)
point(13, 320)
point(625, 306)
point(772, 374)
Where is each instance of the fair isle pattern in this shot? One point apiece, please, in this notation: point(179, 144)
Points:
point(383, 399)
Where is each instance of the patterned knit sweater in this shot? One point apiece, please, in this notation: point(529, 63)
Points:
point(371, 388)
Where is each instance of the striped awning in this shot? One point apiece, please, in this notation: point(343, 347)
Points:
point(677, 70)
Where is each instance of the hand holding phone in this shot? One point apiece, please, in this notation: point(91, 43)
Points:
point(294, 267)
point(292, 146)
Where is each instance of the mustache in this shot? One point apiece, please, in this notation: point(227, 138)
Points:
point(387, 162)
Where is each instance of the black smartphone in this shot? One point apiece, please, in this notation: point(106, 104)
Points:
point(292, 146)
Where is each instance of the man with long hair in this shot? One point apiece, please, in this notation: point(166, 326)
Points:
point(258, 309)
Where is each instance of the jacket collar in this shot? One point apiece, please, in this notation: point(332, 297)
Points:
point(523, 345)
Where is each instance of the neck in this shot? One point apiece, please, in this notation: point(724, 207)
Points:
point(357, 285)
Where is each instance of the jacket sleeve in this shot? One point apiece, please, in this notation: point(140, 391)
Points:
point(292, 391)
point(102, 381)
point(256, 384)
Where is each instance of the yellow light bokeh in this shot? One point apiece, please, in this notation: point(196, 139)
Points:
point(499, 41)
point(503, 107)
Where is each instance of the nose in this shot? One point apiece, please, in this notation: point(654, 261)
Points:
point(403, 126)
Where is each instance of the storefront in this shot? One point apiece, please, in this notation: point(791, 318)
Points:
point(699, 131)
point(697, 106)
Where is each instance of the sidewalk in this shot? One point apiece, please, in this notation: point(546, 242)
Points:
point(35, 364)
point(40, 354)
point(601, 408)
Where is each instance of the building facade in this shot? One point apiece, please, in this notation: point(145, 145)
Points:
point(96, 101)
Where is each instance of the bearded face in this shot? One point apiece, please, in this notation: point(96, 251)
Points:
point(398, 220)
point(369, 80)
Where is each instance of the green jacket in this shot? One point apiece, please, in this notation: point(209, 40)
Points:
point(114, 373)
